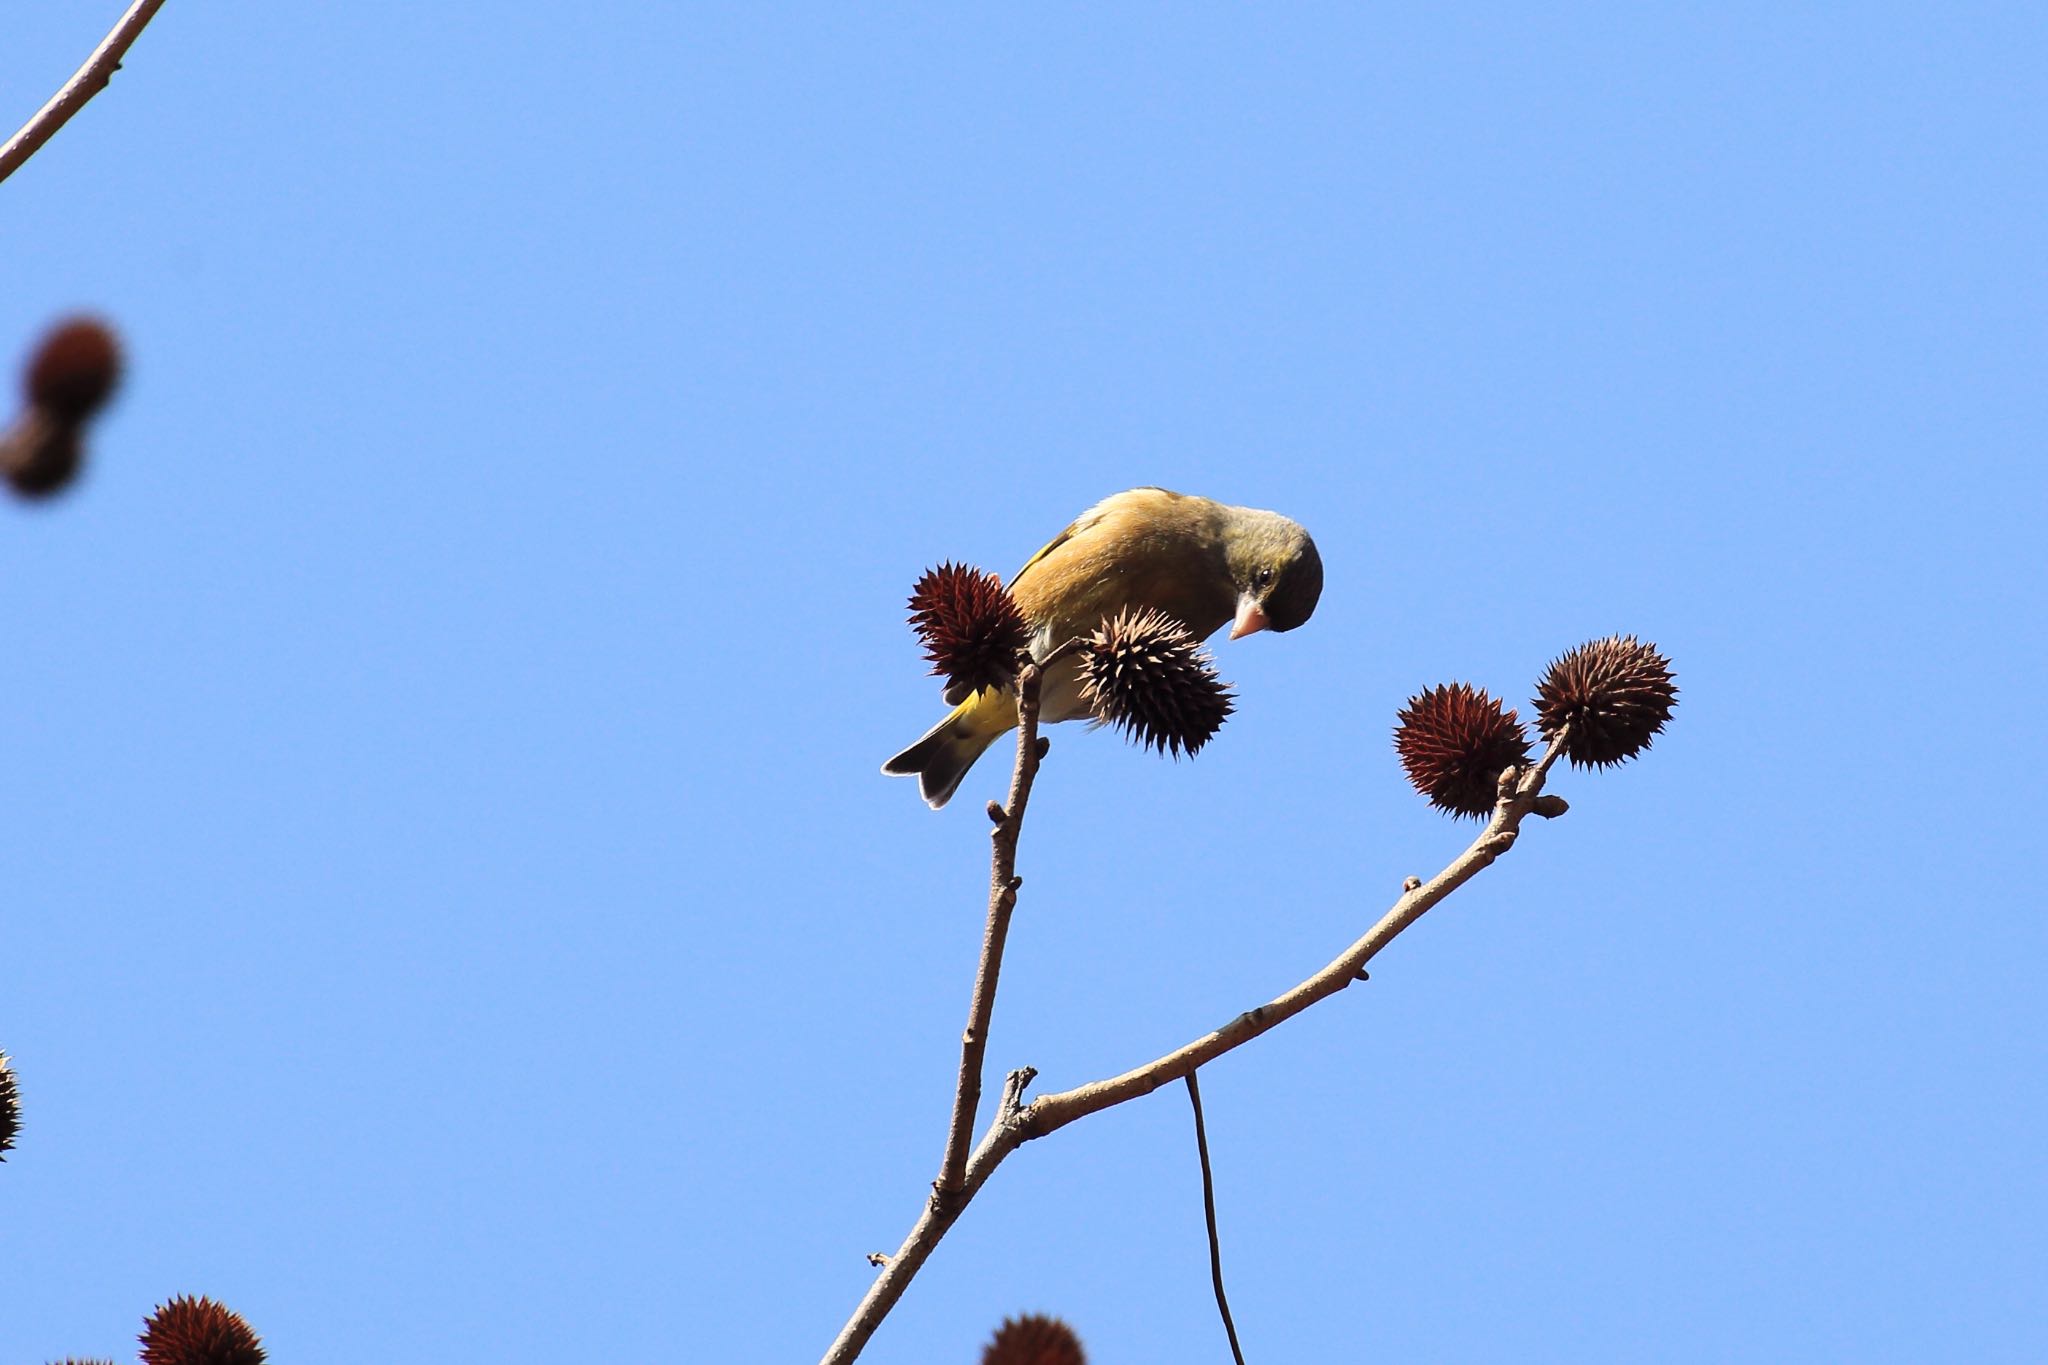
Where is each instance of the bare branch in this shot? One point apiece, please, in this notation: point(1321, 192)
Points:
point(1004, 1136)
point(1011, 1127)
point(86, 82)
point(1519, 789)
point(1002, 899)
point(1209, 1216)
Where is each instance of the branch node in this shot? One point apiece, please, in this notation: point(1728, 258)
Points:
point(1044, 746)
point(1016, 884)
point(1012, 1101)
point(1025, 1122)
point(1364, 975)
point(1411, 884)
point(879, 1258)
point(996, 812)
point(1549, 806)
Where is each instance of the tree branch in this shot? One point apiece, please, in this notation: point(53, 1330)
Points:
point(1003, 1137)
point(86, 82)
point(1003, 882)
point(1520, 795)
point(1519, 790)
point(1209, 1216)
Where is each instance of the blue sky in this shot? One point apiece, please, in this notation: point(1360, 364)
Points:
point(453, 908)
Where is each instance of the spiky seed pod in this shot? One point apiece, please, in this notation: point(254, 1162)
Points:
point(972, 631)
point(1454, 742)
point(74, 370)
point(1144, 673)
point(189, 1331)
point(1033, 1339)
point(1614, 693)
point(10, 1107)
point(40, 455)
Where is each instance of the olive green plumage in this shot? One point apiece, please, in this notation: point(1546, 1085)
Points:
point(1202, 562)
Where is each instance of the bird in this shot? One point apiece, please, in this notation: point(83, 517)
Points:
point(1203, 563)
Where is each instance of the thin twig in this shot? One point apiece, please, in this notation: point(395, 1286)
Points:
point(1002, 899)
point(1518, 792)
point(1519, 788)
point(86, 82)
point(1209, 1213)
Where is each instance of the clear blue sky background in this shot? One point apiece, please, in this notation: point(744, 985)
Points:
point(452, 911)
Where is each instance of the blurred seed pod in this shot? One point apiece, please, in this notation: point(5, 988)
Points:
point(189, 1331)
point(1454, 741)
point(1614, 693)
point(1033, 1339)
point(1144, 673)
point(70, 375)
point(40, 454)
point(972, 631)
point(74, 370)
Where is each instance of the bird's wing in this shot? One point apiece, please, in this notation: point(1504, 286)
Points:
point(1090, 518)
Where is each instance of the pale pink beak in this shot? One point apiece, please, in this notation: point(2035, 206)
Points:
point(1250, 617)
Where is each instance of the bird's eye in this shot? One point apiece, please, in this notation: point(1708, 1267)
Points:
point(1262, 579)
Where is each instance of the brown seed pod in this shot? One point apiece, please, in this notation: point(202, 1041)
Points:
point(1614, 693)
point(1454, 741)
point(41, 454)
point(973, 633)
point(1033, 1339)
point(10, 1107)
point(1145, 674)
point(189, 1331)
point(74, 370)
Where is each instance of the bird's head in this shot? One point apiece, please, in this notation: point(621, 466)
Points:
point(1275, 569)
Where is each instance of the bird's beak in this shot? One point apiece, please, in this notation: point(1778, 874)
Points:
point(1251, 616)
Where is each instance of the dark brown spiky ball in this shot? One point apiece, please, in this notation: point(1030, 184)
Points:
point(1614, 693)
point(74, 370)
point(189, 1331)
point(10, 1107)
point(1033, 1339)
point(1454, 741)
point(1144, 673)
point(972, 631)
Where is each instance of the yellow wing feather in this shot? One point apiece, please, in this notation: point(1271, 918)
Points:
point(1090, 518)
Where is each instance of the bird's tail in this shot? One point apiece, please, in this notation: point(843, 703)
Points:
point(941, 759)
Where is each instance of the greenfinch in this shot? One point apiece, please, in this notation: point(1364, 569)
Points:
point(1201, 562)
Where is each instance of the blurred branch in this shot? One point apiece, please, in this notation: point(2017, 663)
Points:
point(86, 82)
point(1520, 794)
